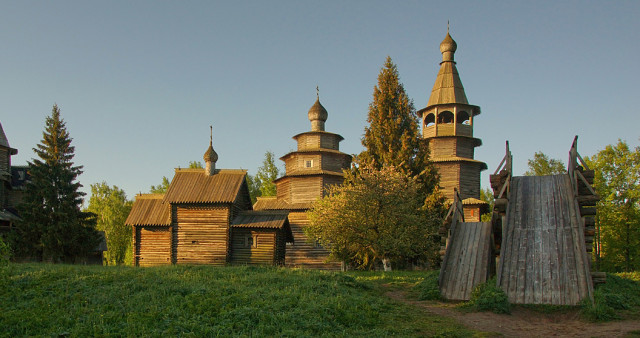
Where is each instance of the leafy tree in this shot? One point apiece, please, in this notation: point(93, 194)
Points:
point(160, 188)
point(195, 165)
point(379, 215)
point(617, 182)
point(111, 206)
point(486, 195)
point(254, 188)
point(393, 137)
point(267, 173)
point(541, 165)
point(53, 228)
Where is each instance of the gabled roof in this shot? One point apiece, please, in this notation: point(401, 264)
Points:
point(273, 203)
point(264, 220)
point(193, 186)
point(5, 143)
point(149, 209)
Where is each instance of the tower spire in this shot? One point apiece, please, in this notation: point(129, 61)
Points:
point(210, 157)
point(317, 114)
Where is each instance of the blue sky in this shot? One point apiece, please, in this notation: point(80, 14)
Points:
point(139, 82)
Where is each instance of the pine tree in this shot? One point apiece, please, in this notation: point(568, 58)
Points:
point(268, 173)
point(393, 136)
point(53, 228)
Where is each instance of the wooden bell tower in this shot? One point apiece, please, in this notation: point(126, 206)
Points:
point(447, 125)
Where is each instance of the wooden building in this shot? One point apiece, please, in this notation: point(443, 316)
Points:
point(206, 218)
point(316, 165)
point(447, 125)
point(12, 181)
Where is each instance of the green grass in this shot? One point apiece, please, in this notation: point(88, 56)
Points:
point(46, 300)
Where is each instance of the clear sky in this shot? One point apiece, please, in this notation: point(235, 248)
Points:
point(139, 82)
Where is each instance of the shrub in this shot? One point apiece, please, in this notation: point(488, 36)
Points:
point(609, 299)
point(5, 253)
point(489, 297)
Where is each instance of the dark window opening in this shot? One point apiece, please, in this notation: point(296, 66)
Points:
point(445, 117)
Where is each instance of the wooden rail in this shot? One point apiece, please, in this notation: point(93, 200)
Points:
point(501, 180)
point(575, 169)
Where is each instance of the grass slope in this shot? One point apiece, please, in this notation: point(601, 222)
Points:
point(41, 299)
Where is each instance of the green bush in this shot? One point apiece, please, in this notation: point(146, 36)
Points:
point(428, 288)
point(612, 298)
point(489, 297)
point(5, 253)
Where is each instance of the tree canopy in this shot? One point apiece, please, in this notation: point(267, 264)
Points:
point(541, 165)
point(379, 215)
point(392, 137)
point(617, 182)
point(53, 228)
point(111, 206)
point(262, 183)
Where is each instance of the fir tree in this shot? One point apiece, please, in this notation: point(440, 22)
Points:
point(393, 136)
point(53, 227)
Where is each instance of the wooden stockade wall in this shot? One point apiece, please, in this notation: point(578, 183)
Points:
point(469, 260)
point(200, 234)
point(543, 255)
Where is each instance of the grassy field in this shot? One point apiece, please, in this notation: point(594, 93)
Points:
point(53, 300)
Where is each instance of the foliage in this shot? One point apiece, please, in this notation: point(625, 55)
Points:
point(617, 182)
point(53, 228)
point(5, 253)
point(393, 137)
point(160, 188)
point(204, 301)
point(486, 195)
point(111, 206)
point(267, 173)
point(489, 296)
point(612, 300)
point(254, 188)
point(541, 165)
point(378, 215)
point(195, 165)
point(428, 288)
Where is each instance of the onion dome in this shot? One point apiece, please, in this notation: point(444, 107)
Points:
point(317, 115)
point(210, 155)
point(448, 47)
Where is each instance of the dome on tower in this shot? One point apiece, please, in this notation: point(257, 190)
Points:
point(448, 45)
point(210, 155)
point(317, 112)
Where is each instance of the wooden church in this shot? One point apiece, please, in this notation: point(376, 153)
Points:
point(206, 217)
point(447, 125)
point(316, 165)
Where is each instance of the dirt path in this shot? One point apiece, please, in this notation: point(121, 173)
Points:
point(526, 323)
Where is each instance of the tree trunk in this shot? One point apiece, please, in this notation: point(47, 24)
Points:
point(386, 263)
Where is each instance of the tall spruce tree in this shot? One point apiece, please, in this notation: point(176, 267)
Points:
point(393, 136)
point(53, 228)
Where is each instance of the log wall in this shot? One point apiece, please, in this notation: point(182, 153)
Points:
point(469, 180)
point(200, 234)
point(152, 246)
point(328, 141)
point(306, 189)
point(263, 253)
point(449, 177)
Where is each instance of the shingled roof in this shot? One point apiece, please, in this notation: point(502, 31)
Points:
point(5, 143)
point(149, 209)
point(448, 86)
point(264, 220)
point(193, 186)
point(273, 203)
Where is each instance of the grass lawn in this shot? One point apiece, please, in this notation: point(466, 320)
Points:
point(46, 300)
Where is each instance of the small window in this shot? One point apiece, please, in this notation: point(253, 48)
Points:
point(308, 163)
point(251, 241)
